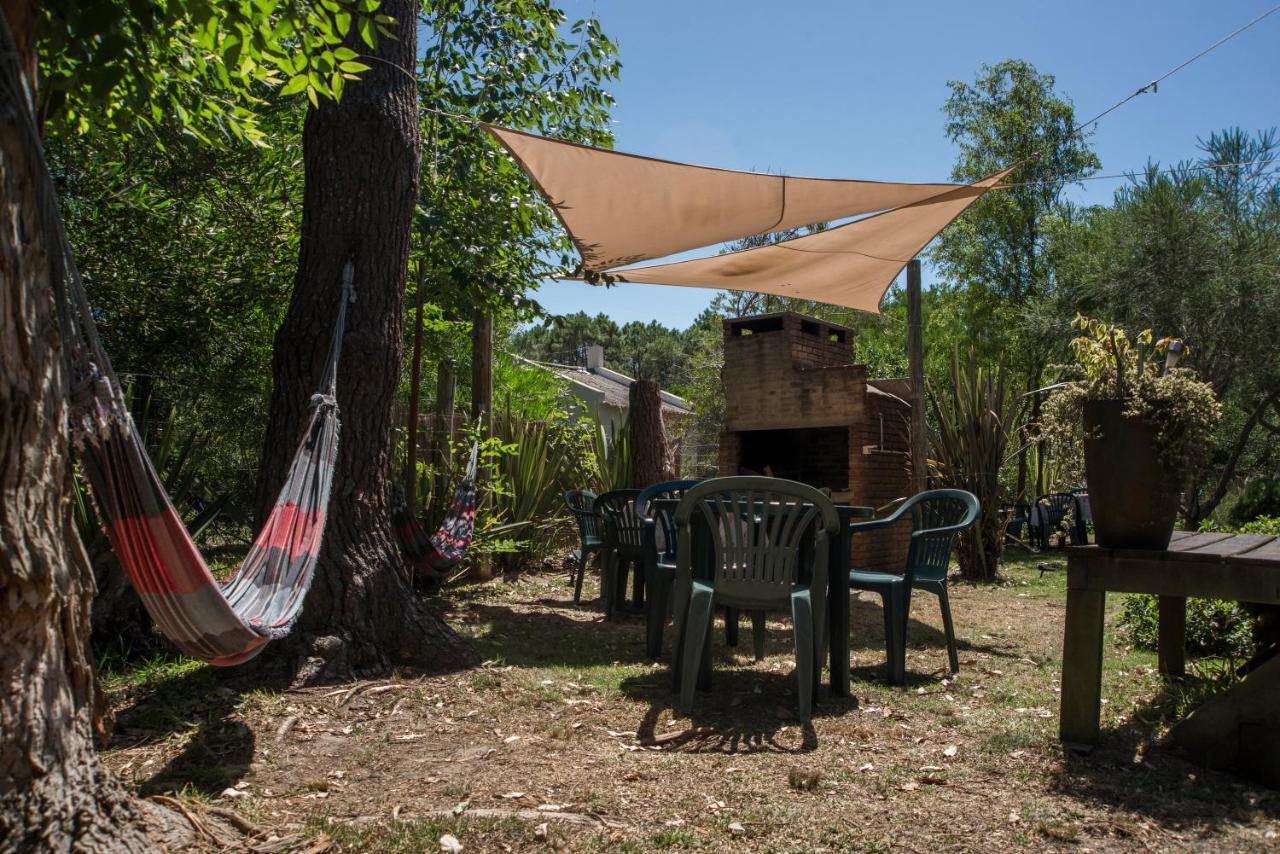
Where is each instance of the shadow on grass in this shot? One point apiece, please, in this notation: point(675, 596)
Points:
point(743, 711)
point(181, 697)
point(1131, 769)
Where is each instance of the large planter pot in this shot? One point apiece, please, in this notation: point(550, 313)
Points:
point(1134, 498)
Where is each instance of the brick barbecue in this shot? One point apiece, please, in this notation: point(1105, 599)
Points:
point(796, 406)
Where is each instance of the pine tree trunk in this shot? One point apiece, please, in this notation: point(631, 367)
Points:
point(361, 161)
point(649, 457)
point(54, 794)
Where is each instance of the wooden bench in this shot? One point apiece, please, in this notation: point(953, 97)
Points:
point(1241, 567)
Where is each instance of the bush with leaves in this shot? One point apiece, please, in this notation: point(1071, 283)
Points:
point(1214, 627)
point(1180, 409)
point(1260, 499)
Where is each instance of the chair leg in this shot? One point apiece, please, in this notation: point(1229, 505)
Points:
point(696, 624)
point(806, 650)
point(655, 612)
point(582, 571)
point(620, 567)
point(895, 627)
point(638, 586)
point(758, 633)
point(944, 603)
point(607, 578)
point(730, 626)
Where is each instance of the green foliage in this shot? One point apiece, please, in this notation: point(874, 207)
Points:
point(1193, 250)
point(642, 350)
point(1214, 627)
point(610, 458)
point(1260, 499)
point(973, 418)
point(1180, 409)
point(483, 235)
point(124, 67)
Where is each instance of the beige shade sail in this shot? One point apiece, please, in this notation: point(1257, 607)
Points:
point(622, 208)
point(851, 265)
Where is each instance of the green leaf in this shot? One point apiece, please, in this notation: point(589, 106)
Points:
point(353, 67)
point(295, 85)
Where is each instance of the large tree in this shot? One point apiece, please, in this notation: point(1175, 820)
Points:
point(361, 159)
point(996, 252)
point(122, 67)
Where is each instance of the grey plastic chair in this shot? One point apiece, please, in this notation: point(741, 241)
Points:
point(936, 517)
point(768, 550)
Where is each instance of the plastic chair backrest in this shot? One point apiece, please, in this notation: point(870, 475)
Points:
point(1054, 507)
point(664, 518)
point(581, 503)
point(936, 517)
point(759, 528)
point(623, 526)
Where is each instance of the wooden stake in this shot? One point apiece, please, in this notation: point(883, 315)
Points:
point(415, 395)
point(482, 368)
point(915, 361)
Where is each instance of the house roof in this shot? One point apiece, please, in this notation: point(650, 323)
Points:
point(615, 386)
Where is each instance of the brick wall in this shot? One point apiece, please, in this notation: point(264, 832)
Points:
point(793, 372)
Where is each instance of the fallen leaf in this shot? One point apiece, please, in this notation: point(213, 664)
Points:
point(736, 828)
point(460, 807)
point(541, 831)
point(512, 795)
point(450, 844)
point(950, 750)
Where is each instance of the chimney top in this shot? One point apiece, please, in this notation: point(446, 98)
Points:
point(595, 357)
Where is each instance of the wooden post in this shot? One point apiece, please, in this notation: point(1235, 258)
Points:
point(482, 368)
point(446, 387)
point(415, 395)
point(915, 361)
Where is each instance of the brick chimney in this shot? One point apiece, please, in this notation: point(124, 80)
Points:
point(595, 357)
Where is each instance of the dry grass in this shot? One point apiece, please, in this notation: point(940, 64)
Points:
point(560, 722)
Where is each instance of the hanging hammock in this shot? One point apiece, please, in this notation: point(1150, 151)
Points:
point(222, 624)
point(446, 548)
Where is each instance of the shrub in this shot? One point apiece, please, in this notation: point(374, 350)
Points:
point(1214, 627)
point(1261, 498)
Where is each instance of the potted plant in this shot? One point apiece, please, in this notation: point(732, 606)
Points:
point(1144, 425)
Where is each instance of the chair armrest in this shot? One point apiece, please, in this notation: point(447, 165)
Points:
point(873, 524)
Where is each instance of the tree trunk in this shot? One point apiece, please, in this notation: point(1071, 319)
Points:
point(415, 399)
point(648, 438)
point(54, 794)
point(361, 165)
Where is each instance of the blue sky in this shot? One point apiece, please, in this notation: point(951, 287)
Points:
point(855, 90)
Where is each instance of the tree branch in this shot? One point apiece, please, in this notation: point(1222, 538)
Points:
point(1228, 471)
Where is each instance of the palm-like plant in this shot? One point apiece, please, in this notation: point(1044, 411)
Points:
point(973, 417)
point(611, 458)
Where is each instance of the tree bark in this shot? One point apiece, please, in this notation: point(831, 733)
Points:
point(482, 368)
point(648, 437)
point(415, 399)
point(54, 794)
point(361, 160)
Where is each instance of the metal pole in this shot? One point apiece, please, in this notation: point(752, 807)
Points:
point(915, 361)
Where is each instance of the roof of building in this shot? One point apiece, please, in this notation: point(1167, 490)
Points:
point(615, 386)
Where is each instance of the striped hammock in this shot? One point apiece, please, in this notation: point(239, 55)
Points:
point(222, 624)
point(446, 548)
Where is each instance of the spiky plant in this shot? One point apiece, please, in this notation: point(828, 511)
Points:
point(973, 419)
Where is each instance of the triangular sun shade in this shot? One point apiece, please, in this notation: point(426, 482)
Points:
point(621, 208)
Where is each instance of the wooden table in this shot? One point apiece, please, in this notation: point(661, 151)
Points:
point(1240, 567)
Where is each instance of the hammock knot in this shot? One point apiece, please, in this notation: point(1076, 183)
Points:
point(323, 401)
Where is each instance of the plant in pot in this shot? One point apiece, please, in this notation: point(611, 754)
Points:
point(1143, 425)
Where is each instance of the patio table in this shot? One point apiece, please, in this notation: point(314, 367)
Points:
point(838, 563)
point(1241, 567)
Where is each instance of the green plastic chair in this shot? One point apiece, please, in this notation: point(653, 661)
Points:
point(936, 517)
point(581, 505)
point(623, 547)
point(757, 544)
point(659, 561)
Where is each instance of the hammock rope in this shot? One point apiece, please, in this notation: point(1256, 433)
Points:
point(446, 548)
point(222, 624)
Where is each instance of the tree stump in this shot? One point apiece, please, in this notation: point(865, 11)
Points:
point(649, 458)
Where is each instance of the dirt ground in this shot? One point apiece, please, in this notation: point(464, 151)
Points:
point(567, 739)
